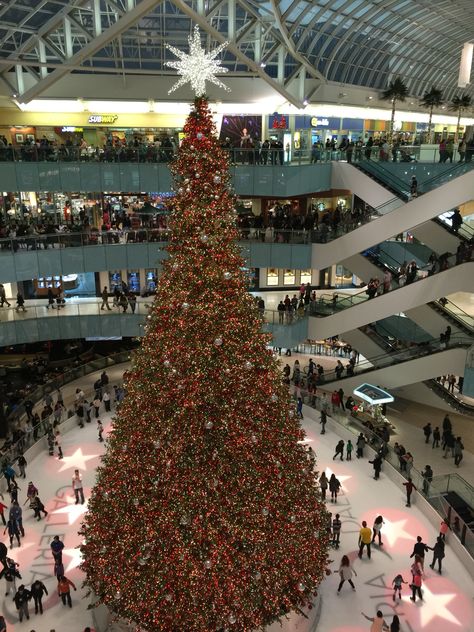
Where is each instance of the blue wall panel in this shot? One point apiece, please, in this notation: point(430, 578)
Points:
point(28, 178)
point(137, 256)
point(8, 176)
point(130, 177)
point(72, 261)
point(26, 264)
point(91, 178)
point(94, 258)
point(110, 174)
point(70, 176)
point(49, 262)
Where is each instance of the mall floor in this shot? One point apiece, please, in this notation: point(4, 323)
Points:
point(447, 602)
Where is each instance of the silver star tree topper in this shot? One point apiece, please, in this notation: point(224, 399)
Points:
point(197, 67)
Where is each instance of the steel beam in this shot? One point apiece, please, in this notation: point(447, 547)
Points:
point(122, 24)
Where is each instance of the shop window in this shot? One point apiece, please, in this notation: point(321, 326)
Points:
point(151, 280)
point(115, 280)
point(272, 276)
point(343, 277)
point(289, 277)
point(134, 281)
point(305, 276)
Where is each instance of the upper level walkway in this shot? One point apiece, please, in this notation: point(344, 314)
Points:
point(129, 172)
point(70, 253)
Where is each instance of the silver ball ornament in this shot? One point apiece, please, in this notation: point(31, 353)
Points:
point(265, 511)
point(184, 520)
point(292, 518)
point(274, 397)
point(167, 363)
point(197, 175)
point(218, 341)
point(181, 190)
point(186, 180)
point(208, 425)
point(207, 564)
point(118, 594)
point(227, 275)
point(301, 587)
point(191, 147)
point(199, 135)
point(217, 179)
point(185, 305)
point(248, 365)
point(169, 597)
point(258, 575)
point(204, 238)
point(232, 618)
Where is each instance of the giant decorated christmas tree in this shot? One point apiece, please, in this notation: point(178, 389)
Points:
point(206, 515)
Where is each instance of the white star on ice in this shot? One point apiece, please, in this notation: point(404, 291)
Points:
point(76, 558)
point(197, 67)
point(77, 461)
point(73, 511)
point(435, 606)
point(393, 531)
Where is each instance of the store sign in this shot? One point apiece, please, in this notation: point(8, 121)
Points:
point(102, 119)
point(69, 128)
point(319, 122)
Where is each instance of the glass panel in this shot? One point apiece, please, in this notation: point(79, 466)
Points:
point(306, 276)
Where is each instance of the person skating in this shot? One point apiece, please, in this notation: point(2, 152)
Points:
point(100, 430)
point(57, 443)
point(64, 591)
point(395, 625)
point(323, 421)
point(360, 443)
point(2, 513)
point(345, 573)
point(77, 487)
point(38, 507)
point(16, 514)
point(21, 600)
point(377, 465)
point(336, 531)
point(38, 589)
point(436, 437)
point(419, 549)
point(339, 450)
point(397, 586)
point(378, 622)
point(409, 487)
point(334, 487)
point(438, 553)
point(57, 549)
point(349, 448)
point(323, 484)
point(443, 529)
point(416, 583)
point(13, 532)
point(11, 573)
point(427, 432)
point(22, 463)
point(365, 539)
point(377, 529)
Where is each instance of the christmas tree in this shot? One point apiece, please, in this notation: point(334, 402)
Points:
point(206, 515)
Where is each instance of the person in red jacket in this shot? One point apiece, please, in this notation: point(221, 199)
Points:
point(64, 591)
point(335, 401)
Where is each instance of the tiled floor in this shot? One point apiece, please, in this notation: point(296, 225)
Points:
point(448, 598)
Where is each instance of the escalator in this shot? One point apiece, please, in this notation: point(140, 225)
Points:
point(394, 369)
point(453, 187)
point(435, 316)
point(333, 314)
point(429, 391)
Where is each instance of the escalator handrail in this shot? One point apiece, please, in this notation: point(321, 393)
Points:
point(337, 305)
point(443, 392)
point(385, 360)
point(467, 231)
point(455, 315)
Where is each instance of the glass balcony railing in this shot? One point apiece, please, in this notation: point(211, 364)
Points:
point(93, 307)
point(324, 233)
point(328, 304)
point(257, 156)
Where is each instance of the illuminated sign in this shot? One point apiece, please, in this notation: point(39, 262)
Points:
point(373, 394)
point(102, 119)
point(69, 128)
point(319, 122)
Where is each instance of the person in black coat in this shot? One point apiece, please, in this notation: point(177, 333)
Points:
point(38, 589)
point(377, 464)
point(21, 600)
point(438, 553)
point(420, 548)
